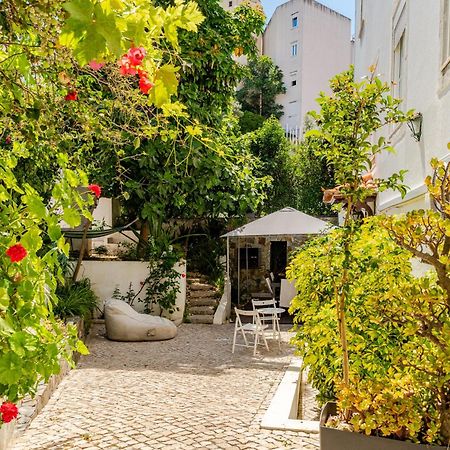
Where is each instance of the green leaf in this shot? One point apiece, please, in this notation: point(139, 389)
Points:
point(32, 240)
point(80, 10)
point(4, 298)
point(35, 205)
point(72, 217)
point(81, 348)
point(166, 85)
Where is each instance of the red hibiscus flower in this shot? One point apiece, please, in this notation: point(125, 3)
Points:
point(71, 95)
point(144, 83)
point(95, 189)
point(16, 253)
point(125, 66)
point(136, 55)
point(94, 65)
point(9, 411)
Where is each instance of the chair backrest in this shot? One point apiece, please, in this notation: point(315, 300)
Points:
point(269, 285)
point(263, 303)
point(241, 312)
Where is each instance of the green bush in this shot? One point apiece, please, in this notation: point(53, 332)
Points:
point(377, 265)
point(398, 352)
point(75, 299)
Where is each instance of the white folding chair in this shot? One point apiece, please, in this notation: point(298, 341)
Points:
point(268, 314)
point(256, 328)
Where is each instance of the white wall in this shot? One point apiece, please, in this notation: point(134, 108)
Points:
point(427, 89)
point(327, 50)
point(324, 49)
point(106, 276)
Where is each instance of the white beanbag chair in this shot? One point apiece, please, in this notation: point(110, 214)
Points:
point(123, 323)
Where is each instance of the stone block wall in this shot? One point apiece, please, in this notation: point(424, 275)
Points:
point(253, 280)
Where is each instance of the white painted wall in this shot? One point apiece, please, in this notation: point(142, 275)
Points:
point(427, 88)
point(324, 49)
point(106, 276)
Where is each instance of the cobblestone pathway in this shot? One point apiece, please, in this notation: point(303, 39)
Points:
point(187, 393)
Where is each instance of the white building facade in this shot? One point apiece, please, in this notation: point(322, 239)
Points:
point(310, 43)
point(409, 41)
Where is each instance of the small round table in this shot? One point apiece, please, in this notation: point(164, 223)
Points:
point(273, 313)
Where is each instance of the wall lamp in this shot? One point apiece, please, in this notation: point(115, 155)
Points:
point(415, 125)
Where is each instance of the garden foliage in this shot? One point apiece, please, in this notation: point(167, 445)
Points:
point(260, 87)
point(46, 124)
point(374, 336)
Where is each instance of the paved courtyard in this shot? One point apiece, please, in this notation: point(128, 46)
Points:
point(187, 393)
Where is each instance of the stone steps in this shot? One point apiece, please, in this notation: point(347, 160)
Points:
point(202, 319)
point(202, 299)
point(203, 302)
point(210, 293)
point(202, 310)
point(198, 286)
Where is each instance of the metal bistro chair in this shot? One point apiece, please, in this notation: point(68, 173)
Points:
point(268, 312)
point(256, 329)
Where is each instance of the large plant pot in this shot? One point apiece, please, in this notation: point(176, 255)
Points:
point(332, 439)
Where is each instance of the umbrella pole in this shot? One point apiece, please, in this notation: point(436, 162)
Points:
point(228, 259)
point(239, 273)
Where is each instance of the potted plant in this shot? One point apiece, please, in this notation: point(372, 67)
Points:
point(388, 365)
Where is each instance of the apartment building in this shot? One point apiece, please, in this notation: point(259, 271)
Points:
point(410, 44)
point(310, 43)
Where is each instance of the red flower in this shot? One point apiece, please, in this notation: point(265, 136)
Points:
point(16, 253)
point(183, 275)
point(8, 139)
point(71, 95)
point(9, 411)
point(95, 189)
point(144, 83)
point(94, 65)
point(136, 55)
point(125, 66)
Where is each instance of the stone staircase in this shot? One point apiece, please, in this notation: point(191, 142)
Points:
point(202, 299)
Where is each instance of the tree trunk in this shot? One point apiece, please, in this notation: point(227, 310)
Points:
point(143, 239)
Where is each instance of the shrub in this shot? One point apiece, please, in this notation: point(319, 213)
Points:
point(75, 299)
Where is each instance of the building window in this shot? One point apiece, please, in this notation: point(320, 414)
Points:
point(230, 4)
point(249, 258)
point(295, 22)
point(399, 55)
point(446, 35)
point(294, 83)
point(294, 49)
point(399, 68)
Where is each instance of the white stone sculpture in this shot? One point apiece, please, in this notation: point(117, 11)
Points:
point(123, 323)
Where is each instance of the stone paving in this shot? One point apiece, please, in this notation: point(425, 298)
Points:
point(186, 393)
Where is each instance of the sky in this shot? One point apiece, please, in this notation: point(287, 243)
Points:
point(345, 7)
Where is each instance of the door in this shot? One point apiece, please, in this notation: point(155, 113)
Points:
point(278, 259)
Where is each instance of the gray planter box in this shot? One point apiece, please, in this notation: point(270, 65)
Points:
point(332, 439)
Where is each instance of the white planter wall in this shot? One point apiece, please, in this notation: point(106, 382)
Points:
point(106, 276)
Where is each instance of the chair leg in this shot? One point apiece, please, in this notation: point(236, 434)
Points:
point(264, 339)
point(256, 342)
point(274, 325)
point(279, 332)
point(234, 339)
point(245, 337)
